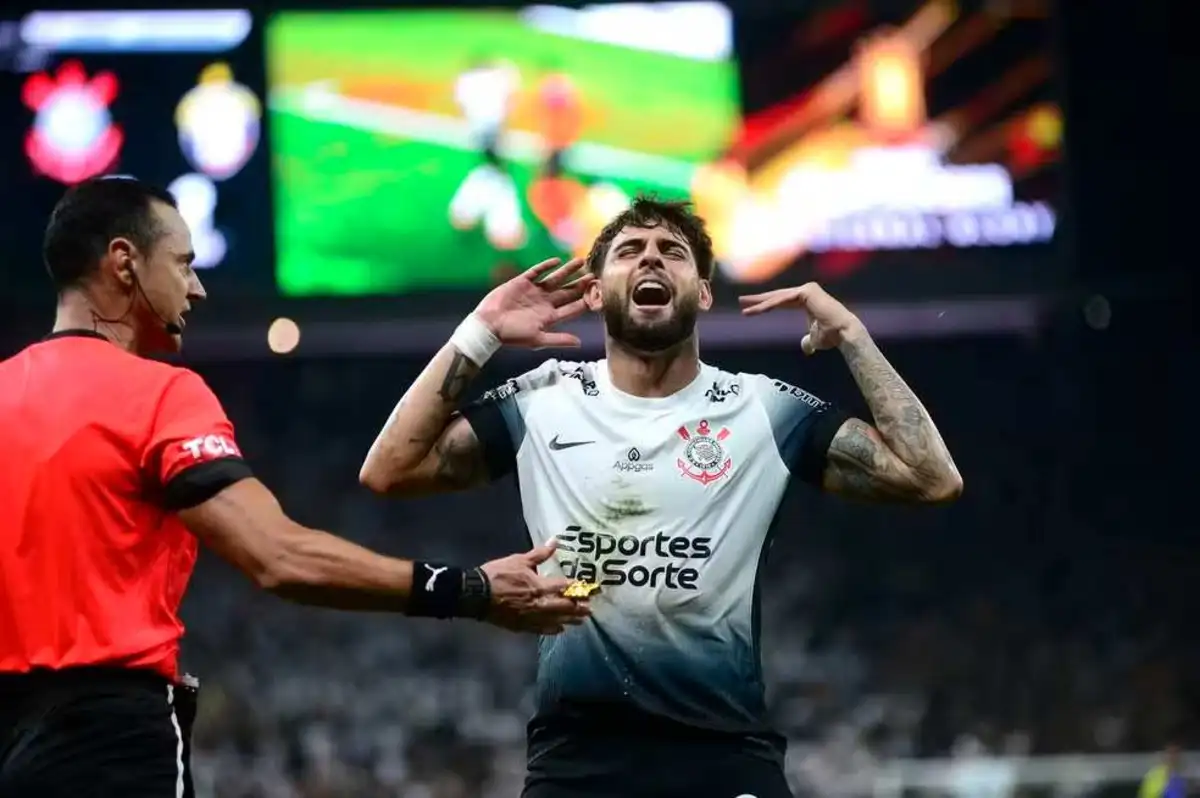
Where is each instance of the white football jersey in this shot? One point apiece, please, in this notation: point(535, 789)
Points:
point(484, 95)
point(667, 504)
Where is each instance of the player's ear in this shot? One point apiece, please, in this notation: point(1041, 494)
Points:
point(593, 296)
point(706, 297)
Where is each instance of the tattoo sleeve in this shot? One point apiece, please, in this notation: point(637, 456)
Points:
point(903, 456)
point(457, 378)
point(861, 465)
point(459, 460)
point(421, 439)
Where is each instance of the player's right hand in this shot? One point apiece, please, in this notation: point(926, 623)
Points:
point(525, 601)
point(524, 310)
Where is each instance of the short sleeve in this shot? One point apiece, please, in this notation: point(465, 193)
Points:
point(497, 418)
point(192, 454)
point(803, 425)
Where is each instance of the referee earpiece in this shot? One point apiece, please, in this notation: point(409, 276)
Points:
point(128, 267)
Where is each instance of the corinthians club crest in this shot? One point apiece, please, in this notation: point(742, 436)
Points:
point(704, 459)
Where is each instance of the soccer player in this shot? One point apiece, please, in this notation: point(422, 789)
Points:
point(113, 466)
point(660, 477)
point(486, 94)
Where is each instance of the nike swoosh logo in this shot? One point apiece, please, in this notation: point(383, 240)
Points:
point(556, 446)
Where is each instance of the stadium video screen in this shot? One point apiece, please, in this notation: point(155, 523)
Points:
point(904, 148)
point(171, 97)
point(430, 149)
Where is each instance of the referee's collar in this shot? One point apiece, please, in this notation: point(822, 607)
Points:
point(74, 333)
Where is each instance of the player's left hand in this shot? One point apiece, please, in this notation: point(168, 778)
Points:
point(829, 321)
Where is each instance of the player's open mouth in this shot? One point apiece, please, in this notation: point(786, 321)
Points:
point(651, 294)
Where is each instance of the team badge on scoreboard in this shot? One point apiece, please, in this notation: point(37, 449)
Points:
point(73, 136)
point(218, 122)
point(704, 458)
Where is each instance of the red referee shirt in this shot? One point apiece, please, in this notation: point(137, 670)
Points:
point(99, 448)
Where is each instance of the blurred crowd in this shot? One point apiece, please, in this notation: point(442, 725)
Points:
point(1040, 614)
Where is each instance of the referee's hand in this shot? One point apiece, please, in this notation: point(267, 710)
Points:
point(524, 601)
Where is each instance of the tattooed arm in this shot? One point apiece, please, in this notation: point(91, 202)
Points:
point(901, 458)
point(425, 446)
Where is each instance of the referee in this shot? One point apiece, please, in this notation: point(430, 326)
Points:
point(114, 465)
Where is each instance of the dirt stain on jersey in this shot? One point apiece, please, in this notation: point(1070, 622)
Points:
point(622, 509)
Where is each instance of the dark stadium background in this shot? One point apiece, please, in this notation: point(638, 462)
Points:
point(1051, 611)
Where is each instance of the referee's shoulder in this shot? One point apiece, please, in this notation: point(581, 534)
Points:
point(161, 371)
point(155, 378)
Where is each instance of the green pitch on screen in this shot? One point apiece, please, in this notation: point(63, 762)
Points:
point(363, 193)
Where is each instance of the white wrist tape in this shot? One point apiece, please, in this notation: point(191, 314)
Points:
point(474, 340)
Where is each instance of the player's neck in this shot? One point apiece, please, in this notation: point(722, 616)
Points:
point(652, 376)
point(77, 311)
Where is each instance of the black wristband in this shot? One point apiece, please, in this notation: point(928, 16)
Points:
point(476, 596)
point(443, 591)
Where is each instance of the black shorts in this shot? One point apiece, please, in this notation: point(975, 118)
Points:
point(96, 732)
point(648, 768)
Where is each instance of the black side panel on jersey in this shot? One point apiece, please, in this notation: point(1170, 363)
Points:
point(489, 423)
point(806, 449)
point(201, 482)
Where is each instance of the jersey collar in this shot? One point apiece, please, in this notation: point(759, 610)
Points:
point(619, 397)
point(75, 333)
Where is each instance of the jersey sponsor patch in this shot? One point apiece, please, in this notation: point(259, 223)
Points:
point(631, 462)
point(210, 447)
point(797, 393)
point(501, 392)
point(658, 560)
point(704, 458)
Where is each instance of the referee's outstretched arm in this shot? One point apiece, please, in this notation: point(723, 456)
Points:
point(121, 257)
point(244, 524)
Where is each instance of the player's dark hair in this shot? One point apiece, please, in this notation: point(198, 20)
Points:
point(646, 211)
point(89, 216)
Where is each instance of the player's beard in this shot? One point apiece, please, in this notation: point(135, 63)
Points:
point(650, 336)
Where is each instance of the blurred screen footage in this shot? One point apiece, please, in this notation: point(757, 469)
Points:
point(872, 137)
point(897, 152)
point(424, 149)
